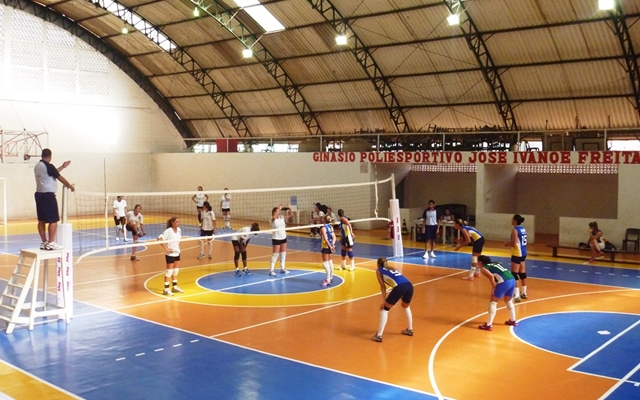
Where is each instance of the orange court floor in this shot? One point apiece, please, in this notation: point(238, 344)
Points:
point(558, 350)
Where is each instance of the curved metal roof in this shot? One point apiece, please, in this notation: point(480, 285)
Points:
point(513, 65)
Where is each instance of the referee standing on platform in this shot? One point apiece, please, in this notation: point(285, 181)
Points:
point(46, 204)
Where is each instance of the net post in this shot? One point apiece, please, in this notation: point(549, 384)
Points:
point(65, 203)
point(393, 186)
point(394, 206)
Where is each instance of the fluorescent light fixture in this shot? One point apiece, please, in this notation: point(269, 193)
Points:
point(341, 40)
point(196, 12)
point(247, 53)
point(261, 15)
point(453, 19)
point(606, 5)
point(125, 30)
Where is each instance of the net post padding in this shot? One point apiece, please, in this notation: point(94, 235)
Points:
point(94, 229)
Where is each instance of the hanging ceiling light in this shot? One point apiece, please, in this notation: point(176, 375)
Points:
point(341, 40)
point(196, 12)
point(453, 19)
point(606, 5)
point(247, 53)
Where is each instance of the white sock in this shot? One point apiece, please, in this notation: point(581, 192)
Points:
point(283, 258)
point(512, 310)
point(524, 289)
point(516, 292)
point(330, 269)
point(327, 267)
point(201, 247)
point(472, 272)
point(384, 315)
point(492, 312)
point(274, 257)
point(353, 263)
point(407, 313)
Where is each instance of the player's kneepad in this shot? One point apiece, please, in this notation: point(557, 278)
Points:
point(386, 308)
point(168, 273)
point(516, 275)
point(244, 256)
point(523, 275)
point(236, 255)
point(343, 253)
point(474, 259)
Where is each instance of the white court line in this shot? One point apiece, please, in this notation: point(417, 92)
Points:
point(619, 383)
point(607, 343)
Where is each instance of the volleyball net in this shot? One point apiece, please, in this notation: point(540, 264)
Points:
point(94, 229)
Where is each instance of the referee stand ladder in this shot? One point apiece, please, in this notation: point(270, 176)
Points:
point(26, 296)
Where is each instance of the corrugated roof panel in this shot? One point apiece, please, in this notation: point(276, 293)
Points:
point(340, 96)
point(208, 129)
point(293, 13)
point(442, 89)
point(197, 107)
point(405, 26)
point(166, 11)
point(106, 25)
point(325, 68)
point(458, 117)
point(354, 121)
point(249, 77)
point(425, 57)
point(554, 81)
point(156, 64)
point(349, 8)
point(133, 43)
point(596, 113)
point(304, 41)
point(219, 55)
point(76, 9)
point(197, 31)
point(278, 126)
point(177, 85)
point(264, 102)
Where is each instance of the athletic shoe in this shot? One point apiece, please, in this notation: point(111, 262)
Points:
point(247, 272)
point(467, 278)
point(200, 256)
point(325, 283)
point(271, 273)
point(343, 267)
point(209, 256)
point(126, 240)
point(601, 255)
point(425, 255)
point(53, 246)
point(117, 239)
point(43, 246)
point(476, 275)
point(176, 289)
point(524, 296)
point(516, 299)
point(284, 271)
point(591, 259)
point(134, 258)
point(377, 338)
point(318, 235)
point(311, 235)
point(167, 292)
point(352, 268)
point(433, 254)
point(408, 332)
point(237, 273)
point(511, 323)
point(486, 327)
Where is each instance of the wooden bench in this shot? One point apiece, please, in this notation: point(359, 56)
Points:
point(611, 253)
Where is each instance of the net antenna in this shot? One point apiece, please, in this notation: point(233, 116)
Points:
point(92, 213)
point(3, 209)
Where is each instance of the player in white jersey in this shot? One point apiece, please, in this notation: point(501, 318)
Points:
point(225, 207)
point(279, 238)
point(207, 228)
point(120, 217)
point(240, 241)
point(135, 225)
point(199, 198)
point(172, 234)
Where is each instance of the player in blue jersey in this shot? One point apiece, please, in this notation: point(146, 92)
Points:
point(470, 235)
point(518, 243)
point(346, 241)
point(328, 248)
point(502, 286)
point(402, 289)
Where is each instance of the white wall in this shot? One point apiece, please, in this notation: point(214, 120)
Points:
point(496, 226)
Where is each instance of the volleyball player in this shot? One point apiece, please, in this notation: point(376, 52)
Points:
point(502, 286)
point(431, 229)
point(327, 249)
point(346, 241)
point(279, 238)
point(518, 245)
point(470, 235)
point(225, 207)
point(172, 234)
point(240, 241)
point(316, 218)
point(402, 289)
point(120, 217)
point(135, 225)
point(199, 198)
point(207, 228)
